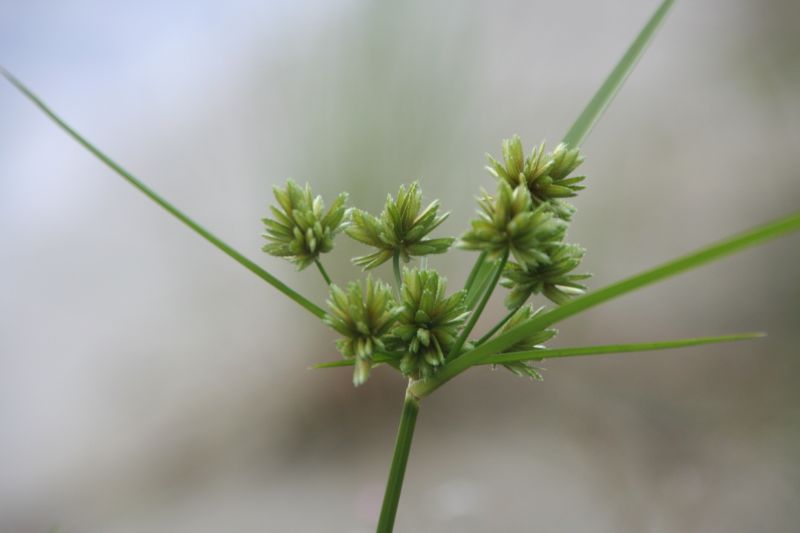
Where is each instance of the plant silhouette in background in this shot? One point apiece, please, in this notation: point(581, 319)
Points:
point(413, 324)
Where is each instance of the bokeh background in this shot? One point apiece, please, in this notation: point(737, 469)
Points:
point(150, 384)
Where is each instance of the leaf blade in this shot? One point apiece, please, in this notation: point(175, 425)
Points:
point(692, 260)
point(610, 349)
point(612, 84)
point(167, 206)
point(388, 358)
point(333, 364)
point(579, 351)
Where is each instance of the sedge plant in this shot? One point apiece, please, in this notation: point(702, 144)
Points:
point(414, 323)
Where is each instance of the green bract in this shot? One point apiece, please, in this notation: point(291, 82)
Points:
point(531, 342)
point(301, 230)
point(364, 319)
point(509, 222)
point(400, 229)
point(544, 174)
point(427, 324)
point(553, 279)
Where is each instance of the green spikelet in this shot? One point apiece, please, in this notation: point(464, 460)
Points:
point(428, 323)
point(363, 318)
point(401, 228)
point(301, 230)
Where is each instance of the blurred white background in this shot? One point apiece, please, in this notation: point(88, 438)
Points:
point(150, 384)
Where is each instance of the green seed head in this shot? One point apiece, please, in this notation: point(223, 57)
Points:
point(509, 221)
point(401, 228)
point(531, 342)
point(363, 318)
point(301, 230)
point(552, 278)
point(546, 175)
point(427, 324)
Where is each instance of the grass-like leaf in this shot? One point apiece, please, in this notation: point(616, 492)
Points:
point(376, 358)
point(207, 235)
point(333, 364)
point(604, 349)
point(608, 349)
point(700, 257)
point(602, 98)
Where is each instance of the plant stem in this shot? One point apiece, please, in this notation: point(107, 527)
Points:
point(473, 319)
point(497, 326)
point(474, 272)
point(325, 275)
point(402, 447)
point(171, 209)
point(396, 267)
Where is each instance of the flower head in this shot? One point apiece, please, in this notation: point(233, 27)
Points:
point(363, 318)
point(401, 228)
point(553, 278)
point(544, 174)
point(301, 230)
point(428, 323)
point(508, 221)
point(531, 342)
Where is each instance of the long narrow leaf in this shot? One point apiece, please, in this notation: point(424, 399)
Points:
point(671, 268)
point(608, 349)
point(333, 364)
point(602, 98)
point(604, 349)
point(376, 358)
point(210, 237)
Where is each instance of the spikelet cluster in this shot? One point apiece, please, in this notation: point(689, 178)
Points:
point(428, 323)
point(363, 318)
point(401, 228)
point(301, 230)
point(509, 222)
point(545, 175)
point(531, 342)
point(523, 226)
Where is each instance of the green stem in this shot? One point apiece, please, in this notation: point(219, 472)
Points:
point(207, 235)
point(497, 326)
point(322, 271)
point(474, 272)
point(402, 447)
point(476, 314)
point(396, 267)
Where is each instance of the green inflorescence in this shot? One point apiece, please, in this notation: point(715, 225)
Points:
point(552, 278)
point(545, 175)
point(428, 323)
point(531, 342)
point(508, 221)
point(363, 318)
point(419, 329)
point(400, 229)
point(301, 230)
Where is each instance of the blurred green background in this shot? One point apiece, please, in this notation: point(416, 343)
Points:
point(150, 384)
